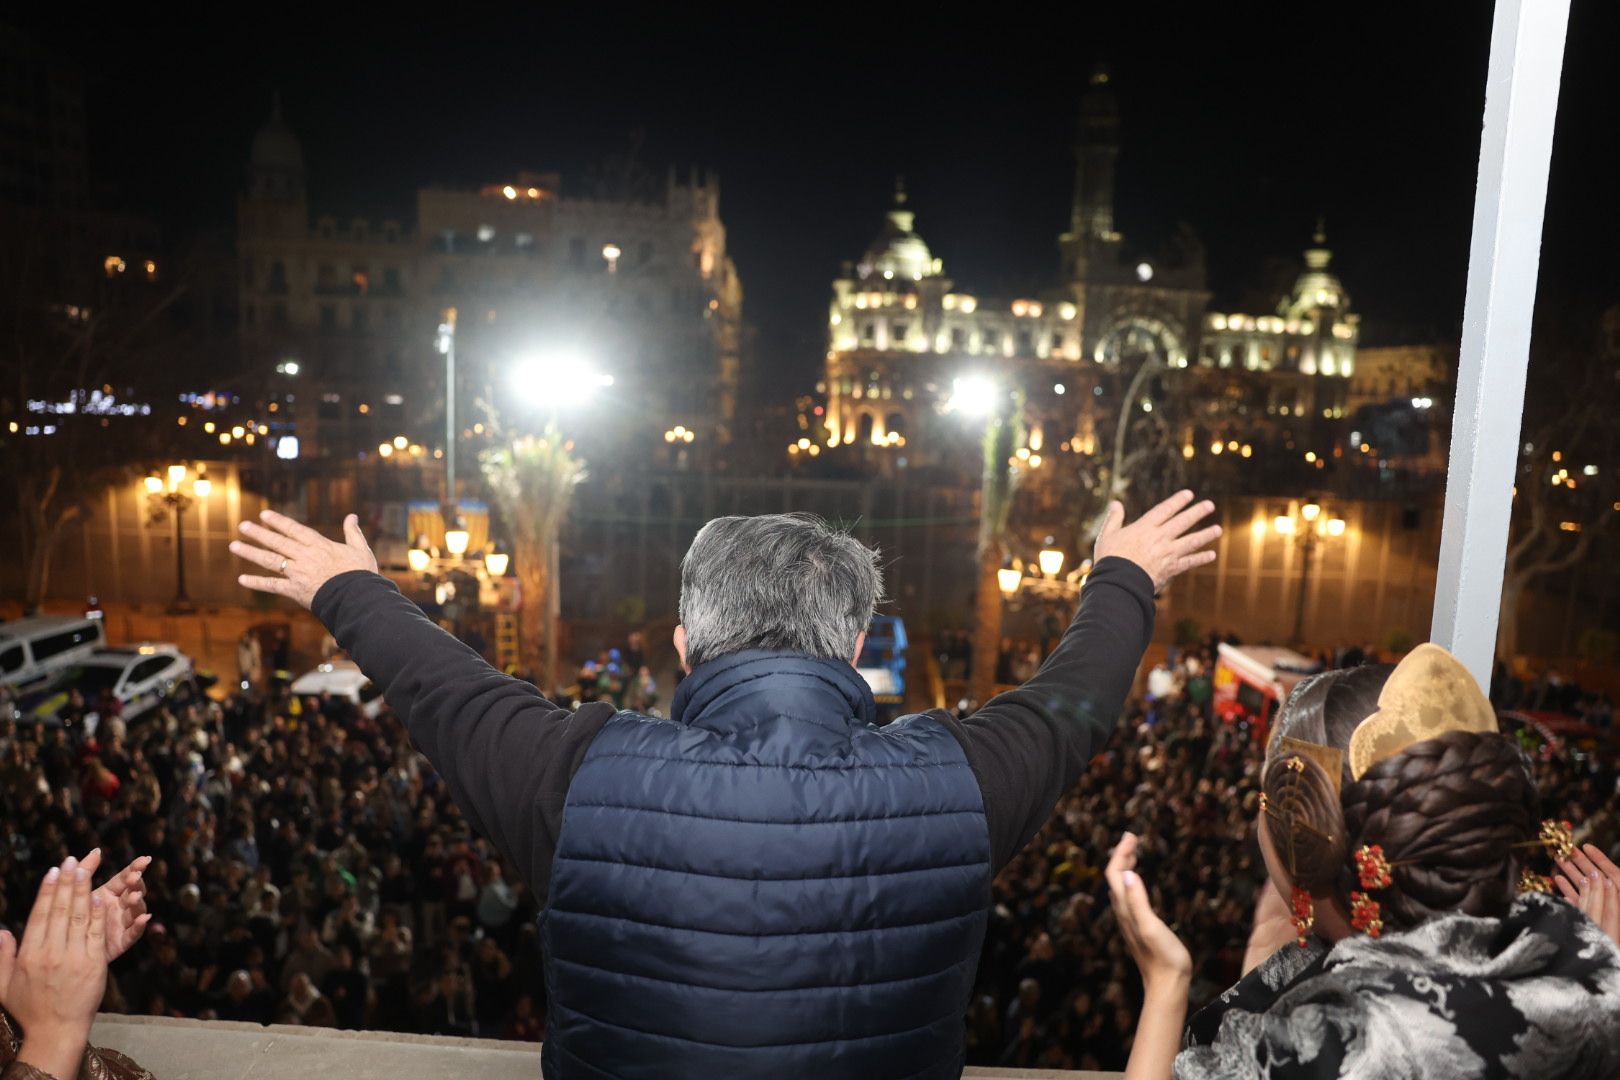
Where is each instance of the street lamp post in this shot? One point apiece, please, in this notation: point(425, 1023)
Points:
point(1044, 579)
point(168, 497)
point(1309, 529)
point(982, 398)
point(447, 346)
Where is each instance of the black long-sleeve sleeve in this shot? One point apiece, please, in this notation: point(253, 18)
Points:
point(1029, 745)
point(506, 753)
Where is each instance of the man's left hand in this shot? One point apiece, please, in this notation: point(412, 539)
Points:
point(304, 559)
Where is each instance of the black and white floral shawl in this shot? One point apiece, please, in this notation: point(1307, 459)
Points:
point(1535, 994)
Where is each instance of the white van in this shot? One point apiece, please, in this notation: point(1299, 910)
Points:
point(32, 648)
point(341, 679)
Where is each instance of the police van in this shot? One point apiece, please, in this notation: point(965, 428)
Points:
point(34, 648)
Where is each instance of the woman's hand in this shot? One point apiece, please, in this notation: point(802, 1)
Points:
point(124, 895)
point(1159, 954)
point(1165, 964)
point(53, 981)
point(303, 558)
point(1591, 882)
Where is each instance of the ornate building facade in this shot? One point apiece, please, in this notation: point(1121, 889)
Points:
point(342, 316)
point(901, 333)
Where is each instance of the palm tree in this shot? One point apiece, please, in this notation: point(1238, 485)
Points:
point(1001, 436)
point(531, 481)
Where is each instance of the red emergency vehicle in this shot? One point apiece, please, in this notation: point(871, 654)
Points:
point(1252, 682)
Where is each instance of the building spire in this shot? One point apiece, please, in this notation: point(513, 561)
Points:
point(899, 189)
point(1320, 236)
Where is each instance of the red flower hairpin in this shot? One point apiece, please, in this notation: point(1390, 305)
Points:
point(1366, 915)
point(1372, 868)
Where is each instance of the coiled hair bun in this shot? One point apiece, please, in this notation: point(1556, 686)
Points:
point(1448, 812)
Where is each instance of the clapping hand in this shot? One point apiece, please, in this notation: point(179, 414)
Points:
point(1591, 882)
point(124, 895)
point(52, 981)
point(1160, 541)
point(1159, 954)
point(303, 559)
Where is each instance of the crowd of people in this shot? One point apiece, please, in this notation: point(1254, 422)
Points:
point(309, 867)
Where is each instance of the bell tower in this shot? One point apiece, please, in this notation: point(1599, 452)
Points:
point(1096, 151)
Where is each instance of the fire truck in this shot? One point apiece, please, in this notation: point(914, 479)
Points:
point(1252, 682)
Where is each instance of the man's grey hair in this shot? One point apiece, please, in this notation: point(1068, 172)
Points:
point(789, 582)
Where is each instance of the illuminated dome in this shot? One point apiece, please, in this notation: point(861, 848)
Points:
point(898, 253)
point(1317, 287)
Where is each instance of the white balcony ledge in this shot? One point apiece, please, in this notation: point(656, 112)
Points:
point(221, 1050)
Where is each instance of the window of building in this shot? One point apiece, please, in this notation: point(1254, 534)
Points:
point(325, 276)
point(278, 277)
point(868, 334)
point(357, 317)
point(576, 252)
point(278, 314)
point(361, 280)
point(959, 339)
point(1026, 344)
point(391, 279)
point(328, 317)
point(897, 336)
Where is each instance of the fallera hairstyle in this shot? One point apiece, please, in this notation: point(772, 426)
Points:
point(1447, 811)
point(787, 582)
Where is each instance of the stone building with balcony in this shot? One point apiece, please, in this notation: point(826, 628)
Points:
point(339, 317)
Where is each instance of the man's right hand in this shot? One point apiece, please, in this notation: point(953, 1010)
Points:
point(304, 559)
point(1159, 541)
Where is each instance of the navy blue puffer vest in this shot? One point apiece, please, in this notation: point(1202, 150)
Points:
point(768, 885)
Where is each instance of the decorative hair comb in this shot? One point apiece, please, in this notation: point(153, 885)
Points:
point(1428, 694)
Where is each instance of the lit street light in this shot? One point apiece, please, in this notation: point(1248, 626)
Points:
point(1308, 530)
point(973, 395)
point(168, 495)
point(1051, 562)
point(456, 538)
point(556, 377)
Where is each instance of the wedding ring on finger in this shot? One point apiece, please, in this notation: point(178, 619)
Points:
point(282, 569)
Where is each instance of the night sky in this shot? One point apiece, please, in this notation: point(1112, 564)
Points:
point(1244, 120)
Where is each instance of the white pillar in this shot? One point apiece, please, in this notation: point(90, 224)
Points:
point(1521, 100)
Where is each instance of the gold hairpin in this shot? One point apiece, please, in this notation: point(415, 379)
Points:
point(1530, 881)
point(1558, 837)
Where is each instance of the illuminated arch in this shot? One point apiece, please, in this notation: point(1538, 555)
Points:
point(1130, 337)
